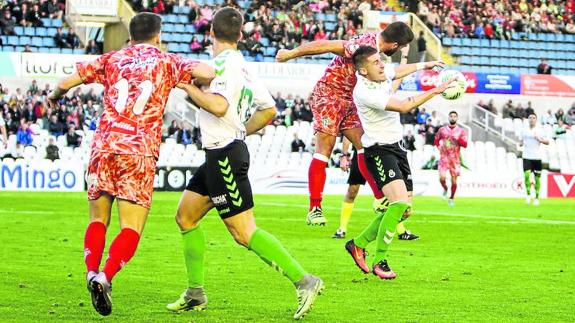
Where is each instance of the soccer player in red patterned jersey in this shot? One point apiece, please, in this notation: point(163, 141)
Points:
point(449, 139)
point(137, 82)
point(332, 105)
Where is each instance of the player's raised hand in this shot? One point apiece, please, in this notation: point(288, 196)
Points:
point(435, 65)
point(283, 55)
point(445, 86)
point(51, 101)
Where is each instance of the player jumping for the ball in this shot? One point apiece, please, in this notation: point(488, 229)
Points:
point(449, 139)
point(137, 82)
point(385, 157)
point(332, 105)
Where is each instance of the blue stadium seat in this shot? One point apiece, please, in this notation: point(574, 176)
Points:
point(67, 51)
point(475, 51)
point(568, 38)
point(269, 59)
point(447, 41)
point(182, 19)
point(200, 37)
point(484, 60)
point(496, 52)
point(524, 62)
point(533, 62)
point(457, 51)
point(185, 48)
point(331, 17)
point(19, 30)
point(169, 28)
point(270, 51)
point(210, 3)
point(41, 32)
point(56, 23)
point(330, 26)
point(457, 42)
point(51, 32)
point(8, 49)
point(466, 42)
point(167, 37)
point(204, 56)
point(549, 37)
point(37, 42)
point(46, 22)
point(249, 58)
point(247, 3)
point(24, 40)
point(496, 43)
point(172, 19)
point(180, 28)
point(496, 61)
point(173, 48)
point(505, 43)
point(4, 39)
point(13, 41)
point(187, 38)
point(79, 51)
point(320, 16)
point(29, 31)
point(54, 50)
point(484, 43)
point(200, 2)
point(264, 41)
point(48, 42)
point(190, 29)
point(19, 49)
point(43, 50)
point(178, 38)
point(465, 60)
point(178, 10)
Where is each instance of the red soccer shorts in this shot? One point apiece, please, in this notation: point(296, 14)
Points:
point(449, 165)
point(331, 113)
point(126, 177)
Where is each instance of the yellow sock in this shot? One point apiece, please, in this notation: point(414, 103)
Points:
point(346, 209)
point(400, 228)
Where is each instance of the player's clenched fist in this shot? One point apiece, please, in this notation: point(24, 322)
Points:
point(283, 55)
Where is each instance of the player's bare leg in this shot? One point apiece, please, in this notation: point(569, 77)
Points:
point(346, 209)
point(443, 182)
point(245, 232)
point(191, 210)
point(451, 200)
point(317, 177)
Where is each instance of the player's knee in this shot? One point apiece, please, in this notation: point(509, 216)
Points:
point(352, 193)
point(241, 238)
point(184, 221)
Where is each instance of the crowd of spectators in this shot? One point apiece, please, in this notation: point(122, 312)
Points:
point(425, 126)
point(291, 109)
point(495, 18)
point(21, 109)
point(29, 13)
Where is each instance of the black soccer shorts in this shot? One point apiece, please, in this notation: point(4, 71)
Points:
point(224, 178)
point(387, 163)
point(355, 176)
point(532, 165)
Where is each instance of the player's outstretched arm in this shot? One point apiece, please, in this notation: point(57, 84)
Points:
point(404, 70)
point(64, 84)
point(260, 119)
point(203, 74)
point(213, 103)
point(404, 56)
point(316, 47)
point(404, 106)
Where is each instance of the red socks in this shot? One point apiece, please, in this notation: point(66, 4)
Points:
point(94, 242)
point(453, 189)
point(443, 184)
point(316, 177)
point(377, 193)
point(121, 251)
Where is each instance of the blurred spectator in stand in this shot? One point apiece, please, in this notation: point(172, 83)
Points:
point(72, 138)
point(54, 10)
point(280, 103)
point(430, 136)
point(560, 130)
point(27, 49)
point(24, 135)
point(195, 45)
point(3, 133)
point(173, 128)
point(560, 115)
point(34, 17)
point(46, 90)
point(206, 42)
point(72, 39)
point(60, 39)
point(297, 145)
point(422, 116)
point(421, 130)
point(185, 136)
point(52, 151)
point(421, 47)
point(7, 24)
point(28, 113)
point(529, 110)
point(435, 120)
point(509, 110)
point(548, 118)
point(33, 87)
point(543, 67)
point(55, 127)
point(92, 48)
point(409, 141)
point(520, 111)
point(570, 118)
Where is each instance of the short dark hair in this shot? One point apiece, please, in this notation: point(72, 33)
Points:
point(361, 54)
point(533, 114)
point(227, 25)
point(145, 26)
point(454, 112)
point(397, 32)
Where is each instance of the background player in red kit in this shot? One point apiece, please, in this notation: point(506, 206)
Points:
point(332, 104)
point(449, 139)
point(137, 82)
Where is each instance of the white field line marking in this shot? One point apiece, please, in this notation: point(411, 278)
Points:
point(447, 214)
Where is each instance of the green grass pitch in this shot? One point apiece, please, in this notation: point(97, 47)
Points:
point(484, 260)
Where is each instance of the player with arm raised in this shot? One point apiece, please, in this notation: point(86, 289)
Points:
point(222, 181)
point(385, 157)
point(137, 82)
point(332, 104)
point(531, 139)
point(449, 140)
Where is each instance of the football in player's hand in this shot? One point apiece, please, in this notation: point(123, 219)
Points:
point(456, 88)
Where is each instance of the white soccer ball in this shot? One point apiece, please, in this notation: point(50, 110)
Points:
point(457, 88)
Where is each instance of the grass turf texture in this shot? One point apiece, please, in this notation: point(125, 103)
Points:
point(484, 260)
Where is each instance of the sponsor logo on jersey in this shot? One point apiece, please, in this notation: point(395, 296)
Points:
point(125, 126)
point(219, 200)
point(391, 173)
point(220, 85)
point(136, 63)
